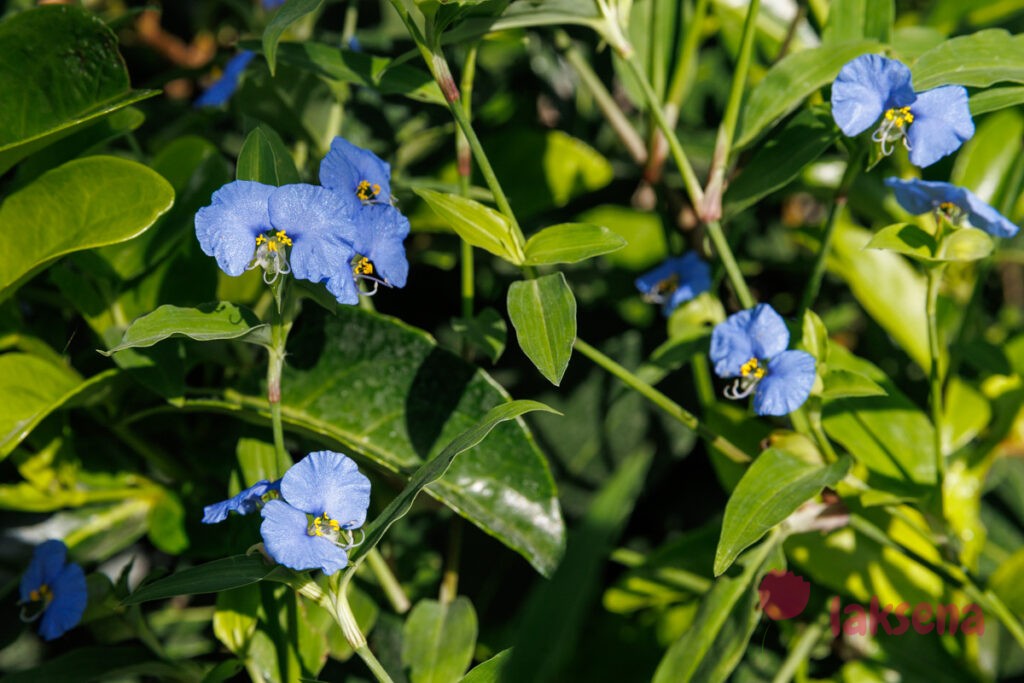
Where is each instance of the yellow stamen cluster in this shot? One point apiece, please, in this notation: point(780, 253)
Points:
point(363, 266)
point(317, 528)
point(899, 117)
point(752, 367)
point(367, 192)
point(278, 241)
point(667, 286)
point(43, 593)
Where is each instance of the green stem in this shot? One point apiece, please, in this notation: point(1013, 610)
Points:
point(853, 168)
point(450, 579)
point(935, 379)
point(275, 364)
point(690, 181)
point(347, 621)
point(616, 118)
point(732, 269)
point(800, 653)
point(711, 208)
point(464, 158)
point(673, 409)
point(388, 583)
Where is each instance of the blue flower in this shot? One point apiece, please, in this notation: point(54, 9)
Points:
point(931, 124)
point(322, 497)
point(922, 196)
point(224, 87)
point(359, 174)
point(272, 4)
point(675, 281)
point(356, 171)
point(249, 500)
point(751, 346)
point(305, 230)
point(54, 590)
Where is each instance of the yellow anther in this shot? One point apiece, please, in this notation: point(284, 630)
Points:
point(317, 527)
point(365, 191)
point(260, 239)
point(899, 117)
point(272, 245)
point(283, 238)
point(363, 266)
point(752, 367)
point(43, 593)
point(948, 207)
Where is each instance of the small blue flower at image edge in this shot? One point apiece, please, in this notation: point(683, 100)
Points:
point(53, 591)
point(221, 90)
point(675, 281)
point(323, 497)
point(930, 124)
point(751, 347)
point(924, 196)
point(247, 501)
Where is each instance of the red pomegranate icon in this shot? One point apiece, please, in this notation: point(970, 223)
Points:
point(783, 595)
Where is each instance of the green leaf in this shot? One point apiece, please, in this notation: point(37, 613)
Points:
point(83, 204)
point(553, 617)
point(570, 243)
point(904, 238)
point(290, 12)
point(435, 468)
point(490, 671)
point(264, 158)
point(360, 68)
point(207, 322)
point(234, 622)
point(782, 159)
point(213, 577)
point(543, 312)
point(643, 232)
point(965, 244)
point(383, 389)
point(167, 524)
point(976, 61)
point(849, 384)
point(101, 663)
point(890, 435)
point(47, 94)
point(874, 276)
point(691, 656)
point(477, 224)
point(438, 640)
point(258, 460)
point(486, 331)
point(857, 19)
point(996, 98)
point(30, 389)
point(791, 80)
point(750, 514)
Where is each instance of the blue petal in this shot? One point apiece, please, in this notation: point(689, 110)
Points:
point(942, 122)
point(228, 227)
point(731, 345)
point(47, 561)
point(70, 596)
point(768, 331)
point(287, 540)
point(245, 502)
point(984, 217)
point(865, 88)
point(346, 165)
point(329, 482)
point(786, 385)
point(321, 226)
point(224, 87)
point(921, 196)
point(381, 231)
point(694, 278)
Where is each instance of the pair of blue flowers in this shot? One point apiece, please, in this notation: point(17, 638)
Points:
point(53, 590)
point(338, 233)
point(308, 514)
point(750, 347)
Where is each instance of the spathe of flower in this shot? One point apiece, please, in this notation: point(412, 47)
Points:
point(751, 347)
point(675, 281)
point(53, 590)
point(930, 124)
point(924, 196)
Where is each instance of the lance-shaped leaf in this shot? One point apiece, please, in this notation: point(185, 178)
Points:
point(543, 311)
point(477, 224)
point(207, 322)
